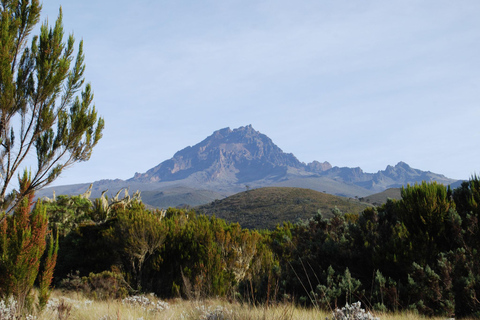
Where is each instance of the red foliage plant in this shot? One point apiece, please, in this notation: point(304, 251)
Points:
point(23, 243)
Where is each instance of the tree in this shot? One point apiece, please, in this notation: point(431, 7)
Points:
point(467, 197)
point(425, 211)
point(40, 109)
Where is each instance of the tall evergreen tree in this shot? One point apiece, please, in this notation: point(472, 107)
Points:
point(40, 109)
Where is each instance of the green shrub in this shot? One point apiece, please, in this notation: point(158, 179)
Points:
point(100, 286)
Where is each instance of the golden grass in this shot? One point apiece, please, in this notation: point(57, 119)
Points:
point(79, 307)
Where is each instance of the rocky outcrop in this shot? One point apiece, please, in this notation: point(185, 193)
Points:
point(243, 156)
point(316, 166)
point(234, 156)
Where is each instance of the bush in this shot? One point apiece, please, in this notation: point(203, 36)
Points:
point(28, 251)
point(101, 286)
point(352, 312)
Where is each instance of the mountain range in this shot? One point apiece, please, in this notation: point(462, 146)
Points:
point(231, 161)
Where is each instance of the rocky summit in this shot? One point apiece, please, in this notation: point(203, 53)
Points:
point(229, 157)
point(230, 161)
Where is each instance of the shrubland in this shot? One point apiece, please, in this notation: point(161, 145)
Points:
point(418, 254)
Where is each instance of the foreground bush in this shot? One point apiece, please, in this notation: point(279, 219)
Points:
point(352, 312)
point(100, 286)
point(28, 252)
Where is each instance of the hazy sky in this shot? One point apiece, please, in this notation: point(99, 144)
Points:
point(355, 83)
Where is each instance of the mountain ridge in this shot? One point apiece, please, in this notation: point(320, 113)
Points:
point(245, 156)
point(221, 156)
point(229, 161)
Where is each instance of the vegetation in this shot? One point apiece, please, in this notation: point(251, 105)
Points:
point(41, 113)
point(77, 306)
point(417, 254)
point(23, 242)
point(264, 208)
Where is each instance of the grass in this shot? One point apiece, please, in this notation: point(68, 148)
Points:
point(72, 306)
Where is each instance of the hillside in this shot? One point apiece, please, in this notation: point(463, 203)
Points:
point(264, 208)
point(381, 197)
point(179, 197)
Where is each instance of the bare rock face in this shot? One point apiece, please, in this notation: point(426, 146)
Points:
point(231, 156)
point(316, 166)
point(230, 159)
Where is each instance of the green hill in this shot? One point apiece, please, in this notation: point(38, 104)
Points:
point(381, 198)
point(264, 208)
point(178, 197)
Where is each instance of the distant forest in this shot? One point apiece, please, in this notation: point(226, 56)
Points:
point(417, 253)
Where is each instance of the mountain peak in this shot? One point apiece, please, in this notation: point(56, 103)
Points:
point(403, 165)
point(222, 132)
point(228, 159)
point(238, 134)
point(227, 156)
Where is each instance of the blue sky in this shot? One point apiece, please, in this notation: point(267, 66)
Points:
point(355, 83)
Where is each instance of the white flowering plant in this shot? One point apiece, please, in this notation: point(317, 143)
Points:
point(146, 304)
point(352, 312)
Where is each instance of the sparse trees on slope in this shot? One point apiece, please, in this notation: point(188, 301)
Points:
point(40, 111)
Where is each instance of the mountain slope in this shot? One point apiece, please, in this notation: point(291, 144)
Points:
point(378, 199)
point(226, 157)
point(179, 197)
point(229, 159)
point(264, 208)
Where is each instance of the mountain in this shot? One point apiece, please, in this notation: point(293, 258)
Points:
point(392, 177)
point(230, 161)
point(226, 160)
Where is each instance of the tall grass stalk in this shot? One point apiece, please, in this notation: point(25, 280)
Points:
point(79, 307)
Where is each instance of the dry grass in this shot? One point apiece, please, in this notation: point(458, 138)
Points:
point(76, 306)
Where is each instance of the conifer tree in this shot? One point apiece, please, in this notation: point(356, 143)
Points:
point(41, 110)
